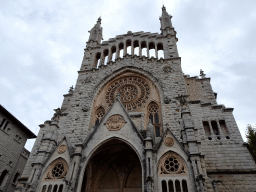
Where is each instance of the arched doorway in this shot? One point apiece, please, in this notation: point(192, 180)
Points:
point(114, 167)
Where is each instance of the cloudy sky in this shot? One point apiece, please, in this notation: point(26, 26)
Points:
point(42, 46)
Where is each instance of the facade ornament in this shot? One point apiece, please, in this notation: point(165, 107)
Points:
point(168, 141)
point(85, 108)
point(167, 69)
point(71, 90)
point(182, 99)
point(95, 34)
point(202, 74)
point(115, 122)
point(87, 80)
point(62, 149)
point(167, 100)
point(58, 113)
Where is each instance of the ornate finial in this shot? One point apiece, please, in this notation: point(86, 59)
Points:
point(99, 19)
point(57, 114)
point(202, 74)
point(166, 126)
point(71, 90)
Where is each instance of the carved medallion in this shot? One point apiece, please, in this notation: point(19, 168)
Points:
point(134, 92)
point(115, 122)
point(168, 141)
point(167, 69)
point(62, 149)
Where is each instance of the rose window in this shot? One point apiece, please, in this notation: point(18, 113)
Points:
point(171, 164)
point(58, 170)
point(134, 92)
point(128, 93)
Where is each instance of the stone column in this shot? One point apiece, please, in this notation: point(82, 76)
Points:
point(140, 51)
point(110, 55)
point(125, 48)
point(210, 125)
point(77, 158)
point(149, 166)
point(148, 51)
point(219, 128)
point(132, 48)
point(117, 51)
point(156, 51)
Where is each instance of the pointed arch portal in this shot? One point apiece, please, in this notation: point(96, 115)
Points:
point(114, 167)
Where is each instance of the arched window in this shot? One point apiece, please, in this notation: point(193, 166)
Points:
point(49, 188)
point(99, 115)
point(144, 48)
point(164, 186)
point(174, 173)
point(152, 52)
point(55, 188)
point(16, 177)
point(105, 56)
point(136, 47)
point(153, 111)
point(3, 177)
point(97, 60)
point(121, 50)
point(44, 188)
point(61, 188)
point(160, 50)
point(113, 51)
point(128, 47)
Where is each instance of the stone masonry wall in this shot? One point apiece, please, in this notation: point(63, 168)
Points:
point(220, 152)
point(234, 182)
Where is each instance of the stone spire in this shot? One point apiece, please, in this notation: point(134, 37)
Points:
point(165, 20)
point(95, 34)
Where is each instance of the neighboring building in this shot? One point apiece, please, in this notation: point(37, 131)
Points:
point(136, 123)
point(13, 155)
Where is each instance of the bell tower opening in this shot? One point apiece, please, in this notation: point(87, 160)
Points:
point(114, 167)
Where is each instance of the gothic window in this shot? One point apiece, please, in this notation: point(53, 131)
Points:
point(152, 52)
point(144, 48)
point(105, 53)
point(160, 50)
point(17, 175)
point(44, 188)
point(97, 60)
point(3, 177)
point(136, 47)
point(121, 50)
point(128, 47)
point(134, 92)
point(113, 51)
point(99, 115)
point(153, 111)
point(173, 173)
point(54, 176)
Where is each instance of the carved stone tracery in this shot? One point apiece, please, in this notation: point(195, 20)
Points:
point(171, 163)
point(134, 92)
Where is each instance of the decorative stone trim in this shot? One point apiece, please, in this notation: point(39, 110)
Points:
point(115, 122)
point(62, 149)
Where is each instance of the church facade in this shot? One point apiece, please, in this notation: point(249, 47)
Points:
point(134, 122)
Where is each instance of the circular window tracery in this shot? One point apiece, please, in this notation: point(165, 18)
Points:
point(134, 92)
point(171, 163)
point(58, 170)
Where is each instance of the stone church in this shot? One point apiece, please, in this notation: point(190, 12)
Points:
point(134, 123)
